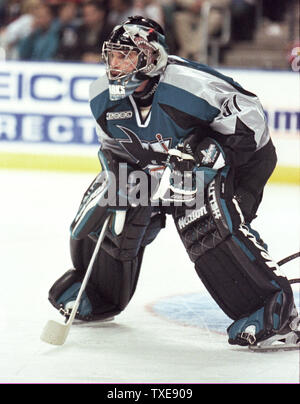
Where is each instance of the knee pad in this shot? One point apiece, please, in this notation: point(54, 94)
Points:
point(141, 226)
point(101, 199)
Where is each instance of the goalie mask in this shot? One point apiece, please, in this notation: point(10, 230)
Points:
point(135, 52)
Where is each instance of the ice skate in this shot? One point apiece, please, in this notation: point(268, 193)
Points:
point(287, 340)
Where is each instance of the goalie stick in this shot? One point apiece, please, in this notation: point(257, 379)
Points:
point(288, 259)
point(56, 333)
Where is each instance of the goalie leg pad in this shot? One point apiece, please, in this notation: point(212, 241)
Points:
point(100, 199)
point(141, 226)
point(116, 269)
point(108, 291)
point(241, 286)
point(64, 292)
point(235, 268)
point(263, 324)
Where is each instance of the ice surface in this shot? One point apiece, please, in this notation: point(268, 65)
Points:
point(140, 346)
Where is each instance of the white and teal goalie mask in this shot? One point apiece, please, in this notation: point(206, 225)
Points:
point(135, 52)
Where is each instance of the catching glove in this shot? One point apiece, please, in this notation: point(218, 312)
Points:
point(178, 182)
point(190, 167)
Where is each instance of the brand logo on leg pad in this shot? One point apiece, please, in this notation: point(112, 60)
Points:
point(190, 218)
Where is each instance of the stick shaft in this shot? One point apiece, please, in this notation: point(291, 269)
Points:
point(289, 258)
point(88, 272)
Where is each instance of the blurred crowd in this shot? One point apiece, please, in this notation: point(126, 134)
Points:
point(74, 30)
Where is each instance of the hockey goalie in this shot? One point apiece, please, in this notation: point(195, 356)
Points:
point(205, 140)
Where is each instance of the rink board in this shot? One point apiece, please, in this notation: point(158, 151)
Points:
point(86, 164)
point(47, 105)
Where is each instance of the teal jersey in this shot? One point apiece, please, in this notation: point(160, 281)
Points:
point(189, 98)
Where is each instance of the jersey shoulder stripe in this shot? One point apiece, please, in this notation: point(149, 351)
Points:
point(99, 89)
point(98, 86)
point(198, 71)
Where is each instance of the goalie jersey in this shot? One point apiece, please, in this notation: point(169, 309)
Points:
point(189, 98)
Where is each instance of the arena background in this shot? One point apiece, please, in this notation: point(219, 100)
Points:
point(172, 331)
point(46, 124)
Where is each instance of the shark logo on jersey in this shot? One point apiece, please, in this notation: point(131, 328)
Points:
point(146, 154)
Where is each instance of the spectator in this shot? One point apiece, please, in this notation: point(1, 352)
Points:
point(275, 10)
point(68, 35)
point(188, 27)
point(150, 9)
point(42, 43)
point(93, 31)
point(19, 29)
point(120, 10)
point(274, 13)
point(243, 24)
point(10, 10)
point(55, 5)
point(2, 12)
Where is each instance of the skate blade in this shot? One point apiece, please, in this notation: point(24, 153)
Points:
point(274, 348)
point(55, 333)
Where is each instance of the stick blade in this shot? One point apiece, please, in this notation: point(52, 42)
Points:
point(55, 333)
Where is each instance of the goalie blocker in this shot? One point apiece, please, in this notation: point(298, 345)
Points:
point(235, 267)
